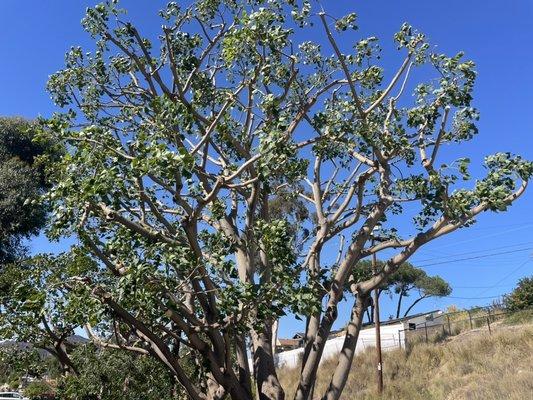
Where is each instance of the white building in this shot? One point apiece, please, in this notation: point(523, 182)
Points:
point(392, 337)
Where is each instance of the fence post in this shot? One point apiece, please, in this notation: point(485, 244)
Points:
point(399, 339)
point(426, 330)
point(470, 318)
point(449, 326)
point(488, 324)
point(490, 316)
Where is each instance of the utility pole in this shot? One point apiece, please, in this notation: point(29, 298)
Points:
point(377, 325)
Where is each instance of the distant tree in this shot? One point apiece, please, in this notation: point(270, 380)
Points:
point(33, 304)
point(429, 286)
point(521, 297)
point(23, 164)
point(452, 309)
point(405, 280)
point(17, 363)
point(22, 180)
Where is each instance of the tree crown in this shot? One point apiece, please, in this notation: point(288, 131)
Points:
point(180, 146)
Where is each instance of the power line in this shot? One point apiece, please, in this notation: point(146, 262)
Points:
point(480, 287)
point(474, 252)
point(486, 236)
point(507, 276)
point(481, 226)
point(474, 298)
point(476, 257)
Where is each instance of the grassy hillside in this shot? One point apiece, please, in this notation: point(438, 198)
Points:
point(471, 365)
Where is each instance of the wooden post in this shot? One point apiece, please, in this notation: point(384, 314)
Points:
point(426, 330)
point(470, 318)
point(449, 326)
point(399, 338)
point(488, 324)
point(379, 361)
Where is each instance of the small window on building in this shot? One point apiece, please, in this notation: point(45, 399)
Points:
point(412, 326)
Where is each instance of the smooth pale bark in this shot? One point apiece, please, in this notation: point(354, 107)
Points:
point(340, 376)
point(268, 386)
point(353, 255)
point(275, 327)
point(214, 390)
point(313, 321)
point(311, 330)
point(310, 367)
point(224, 377)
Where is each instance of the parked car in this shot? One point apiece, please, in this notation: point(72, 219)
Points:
point(12, 396)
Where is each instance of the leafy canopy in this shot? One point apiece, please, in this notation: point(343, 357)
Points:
point(112, 374)
point(521, 297)
point(22, 181)
point(180, 145)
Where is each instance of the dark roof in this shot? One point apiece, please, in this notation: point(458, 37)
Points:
point(420, 314)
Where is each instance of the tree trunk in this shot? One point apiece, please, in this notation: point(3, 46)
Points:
point(214, 390)
point(275, 327)
point(340, 376)
point(310, 367)
point(311, 330)
point(367, 311)
point(398, 309)
point(64, 359)
point(268, 386)
point(313, 321)
point(157, 347)
point(414, 304)
point(245, 378)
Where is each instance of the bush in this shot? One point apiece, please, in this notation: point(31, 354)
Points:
point(40, 390)
point(108, 374)
point(519, 317)
point(521, 297)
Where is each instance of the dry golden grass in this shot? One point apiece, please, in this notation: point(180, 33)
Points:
point(473, 365)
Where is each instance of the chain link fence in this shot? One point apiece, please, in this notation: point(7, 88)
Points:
point(453, 323)
point(398, 335)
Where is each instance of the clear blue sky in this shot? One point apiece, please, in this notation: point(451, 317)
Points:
point(497, 35)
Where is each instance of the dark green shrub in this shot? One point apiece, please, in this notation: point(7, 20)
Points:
point(521, 297)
